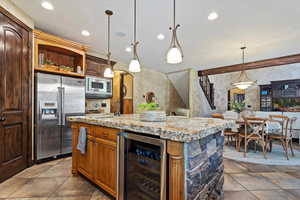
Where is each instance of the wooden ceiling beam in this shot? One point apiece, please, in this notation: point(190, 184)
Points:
point(252, 65)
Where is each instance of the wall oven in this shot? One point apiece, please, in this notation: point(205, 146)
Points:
point(142, 168)
point(98, 88)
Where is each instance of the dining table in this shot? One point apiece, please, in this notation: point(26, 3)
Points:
point(271, 127)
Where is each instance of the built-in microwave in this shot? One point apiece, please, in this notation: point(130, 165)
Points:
point(98, 88)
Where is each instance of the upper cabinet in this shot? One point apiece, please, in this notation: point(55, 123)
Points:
point(59, 56)
point(96, 66)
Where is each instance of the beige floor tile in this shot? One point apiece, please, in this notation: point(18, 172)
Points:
point(258, 168)
point(232, 185)
point(233, 167)
point(274, 195)
point(12, 185)
point(99, 195)
point(42, 198)
point(65, 163)
point(57, 171)
point(39, 187)
point(242, 195)
point(296, 193)
point(254, 181)
point(53, 162)
point(294, 174)
point(34, 171)
point(70, 198)
point(75, 186)
point(284, 180)
point(288, 168)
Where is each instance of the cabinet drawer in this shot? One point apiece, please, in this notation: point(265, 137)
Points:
point(106, 133)
point(89, 128)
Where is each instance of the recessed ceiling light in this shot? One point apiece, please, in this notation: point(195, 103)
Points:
point(128, 49)
point(160, 36)
point(213, 16)
point(47, 5)
point(85, 33)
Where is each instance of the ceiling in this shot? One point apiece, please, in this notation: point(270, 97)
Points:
point(269, 28)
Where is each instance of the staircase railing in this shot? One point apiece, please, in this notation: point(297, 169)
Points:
point(208, 89)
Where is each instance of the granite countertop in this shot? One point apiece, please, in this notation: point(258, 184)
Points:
point(175, 128)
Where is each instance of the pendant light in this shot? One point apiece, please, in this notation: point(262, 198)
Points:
point(108, 73)
point(134, 65)
point(175, 54)
point(243, 81)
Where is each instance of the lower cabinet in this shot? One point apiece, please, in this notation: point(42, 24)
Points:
point(105, 161)
point(99, 163)
point(85, 163)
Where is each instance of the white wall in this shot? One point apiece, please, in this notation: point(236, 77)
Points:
point(198, 104)
point(180, 80)
point(17, 12)
point(222, 83)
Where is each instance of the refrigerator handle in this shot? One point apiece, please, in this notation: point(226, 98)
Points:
point(63, 107)
point(59, 105)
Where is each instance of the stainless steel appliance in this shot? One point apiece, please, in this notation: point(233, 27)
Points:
point(98, 87)
point(56, 98)
point(142, 167)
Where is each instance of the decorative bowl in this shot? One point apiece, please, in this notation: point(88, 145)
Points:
point(153, 116)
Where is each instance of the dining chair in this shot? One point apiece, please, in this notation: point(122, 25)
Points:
point(229, 133)
point(283, 121)
point(254, 131)
point(285, 136)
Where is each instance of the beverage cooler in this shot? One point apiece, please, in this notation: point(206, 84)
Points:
point(142, 173)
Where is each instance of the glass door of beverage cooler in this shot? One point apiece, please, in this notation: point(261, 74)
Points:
point(142, 168)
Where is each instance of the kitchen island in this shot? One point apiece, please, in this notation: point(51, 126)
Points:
point(194, 149)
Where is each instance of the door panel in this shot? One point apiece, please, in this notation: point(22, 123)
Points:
point(12, 74)
point(48, 130)
point(14, 97)
point(12, 139)
point(86, 161)
point(106, 162)
point(73, 93)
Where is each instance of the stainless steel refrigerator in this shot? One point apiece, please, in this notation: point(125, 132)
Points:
point(56, 98)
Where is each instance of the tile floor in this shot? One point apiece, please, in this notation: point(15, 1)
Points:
point(243, 181)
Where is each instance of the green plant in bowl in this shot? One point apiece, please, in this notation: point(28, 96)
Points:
point(147, 107)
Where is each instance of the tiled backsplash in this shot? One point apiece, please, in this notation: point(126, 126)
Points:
point(97, 105)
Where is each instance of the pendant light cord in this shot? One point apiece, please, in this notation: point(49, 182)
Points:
point(109, 13)
point(174, 14)
point(243, 54)
point(108, 41)
point(134, 30)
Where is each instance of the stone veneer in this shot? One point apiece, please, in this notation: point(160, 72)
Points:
point(204, 168)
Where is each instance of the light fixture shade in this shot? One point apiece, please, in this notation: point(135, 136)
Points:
point(243, 85)
point(243, 81)
point(174, 56)
point(134, 65)
point(108, 73)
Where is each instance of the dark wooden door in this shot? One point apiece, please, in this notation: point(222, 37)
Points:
point(15, 93)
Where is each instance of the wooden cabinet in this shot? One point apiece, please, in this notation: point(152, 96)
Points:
point(59, 56)
point(106, 165)
point(85, 163)
point(99, 163)
point(96, 66)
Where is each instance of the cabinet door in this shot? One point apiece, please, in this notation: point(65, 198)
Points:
point(85, 165)
point(106, 165)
